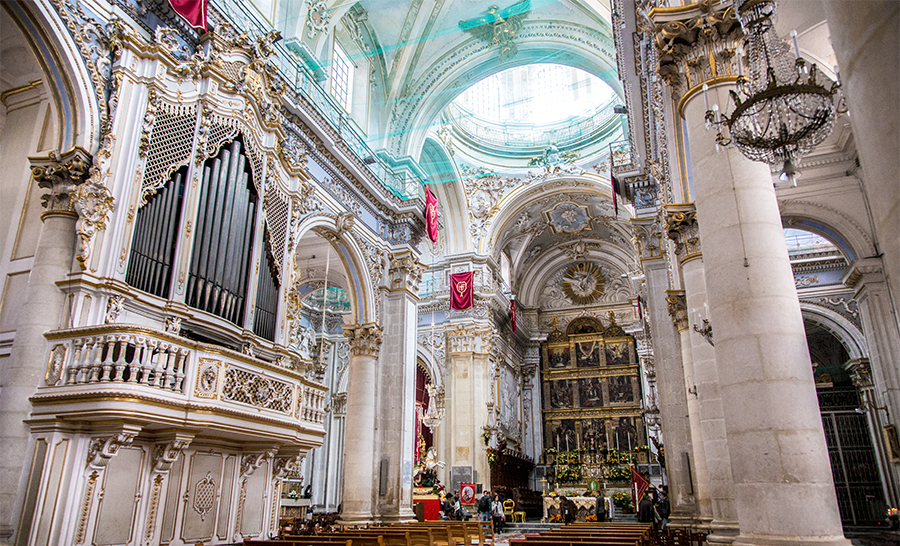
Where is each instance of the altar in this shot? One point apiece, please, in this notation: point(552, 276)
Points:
point(584, 507)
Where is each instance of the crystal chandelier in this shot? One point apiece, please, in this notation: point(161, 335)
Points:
point(781, 112)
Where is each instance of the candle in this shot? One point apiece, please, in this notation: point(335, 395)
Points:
point(607, 438)
point(706, 96)
point(796, 47)
point(740, 60)
point(577, 441)
point(557, 441)
point(567, 441)
point(629, 442)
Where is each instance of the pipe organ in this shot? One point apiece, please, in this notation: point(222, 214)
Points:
point(266, 294)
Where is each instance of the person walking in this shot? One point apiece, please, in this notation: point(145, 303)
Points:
point(484, 506)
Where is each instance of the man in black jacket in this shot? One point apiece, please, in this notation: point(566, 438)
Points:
point(484, 506)
point(645, 509)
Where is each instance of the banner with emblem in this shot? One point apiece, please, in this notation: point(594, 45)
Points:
point(193, 11)
point(431, 215)
point(462, 292)
point(512, 314)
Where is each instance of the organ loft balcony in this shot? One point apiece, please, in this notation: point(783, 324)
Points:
point(102, 375)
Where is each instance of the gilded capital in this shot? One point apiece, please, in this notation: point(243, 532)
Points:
point(696, 44)
point(406, 272)
point(860, 373)
point(682, 227)
point(646, 238)
point(61, 174)
point(677, 307)
point(365, 339)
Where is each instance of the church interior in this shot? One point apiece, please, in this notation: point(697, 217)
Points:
point(271, 258)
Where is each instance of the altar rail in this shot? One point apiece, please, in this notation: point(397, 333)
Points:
point(139, 361)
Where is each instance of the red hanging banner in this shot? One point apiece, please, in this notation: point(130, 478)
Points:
point(512, 314)
point(614, 182)
point(431, 215)
point(639, 486)
point(462, 291)
point(193, 11)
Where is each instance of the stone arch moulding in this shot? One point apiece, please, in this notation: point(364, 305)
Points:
point(432, 365)
point(833, 224)
point(353, 259)
point(63, 66)
point(843, 329)
point(472, 60)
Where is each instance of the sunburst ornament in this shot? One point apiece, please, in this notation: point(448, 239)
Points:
point(583, 283)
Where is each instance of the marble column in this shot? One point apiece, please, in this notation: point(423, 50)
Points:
point(44, 311)
point(673, 413)
point(783, 486)
point(683, 229)
point(396, 385)
point(360, 480)
point(866, 41)
point(678, 311)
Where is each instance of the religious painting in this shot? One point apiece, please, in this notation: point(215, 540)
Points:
point(621, 389)
point(587, 354)
point(590, 392)
point(618, 354)
point(594, 434)
point(560, 394)
point(562, 435)
point(625, 433)
point(558, 357)
point(568, 218)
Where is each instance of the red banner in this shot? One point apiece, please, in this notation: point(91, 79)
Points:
point(614, 182)
point(639, 486)
point(512, 314)
point(431, 215)
point(467, 493)
point(193, 11)
point(462, 293)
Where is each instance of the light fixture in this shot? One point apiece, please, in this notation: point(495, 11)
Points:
point(781, 112)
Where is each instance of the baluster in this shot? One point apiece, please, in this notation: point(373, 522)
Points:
point(146, 366)
point(180, 365)
point(134, 367)
point(87, 357)
point(157, 357)
point(169, 372)
point(122, 343)
point(100, 368)
point(72, 365)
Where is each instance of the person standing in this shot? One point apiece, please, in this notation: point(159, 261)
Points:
point(600, 507)
point(645, 510)
point(663, 509)
point(484, 506)
point(497, 513)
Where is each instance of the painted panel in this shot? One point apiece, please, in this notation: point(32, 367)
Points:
point(255, 503)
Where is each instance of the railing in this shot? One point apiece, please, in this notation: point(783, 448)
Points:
point(114, 357)
point(531, 136)
point(243, 16)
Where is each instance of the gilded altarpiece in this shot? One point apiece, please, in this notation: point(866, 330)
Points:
point(592, 389)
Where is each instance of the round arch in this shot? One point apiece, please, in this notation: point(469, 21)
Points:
point(843, 329)
point(65, 73)
point(360, 286)
point(839, 228)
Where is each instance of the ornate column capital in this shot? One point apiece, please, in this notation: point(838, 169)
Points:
point(677, 307)
point(61, 174)
point(646, 238)
point(165, 455)
point(365, 339)
point(469, 338)
point(682, 227)
point(860, 373)
point(405, 272)
point(696, 45)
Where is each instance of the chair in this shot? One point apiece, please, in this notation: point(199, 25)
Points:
point(519, 515)
point(508, 506)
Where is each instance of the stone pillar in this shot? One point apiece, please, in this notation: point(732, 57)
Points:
point(861, 374)
point(667, 354)
point(533, 442)
point(682, 228)
point(775, 435)
point(467, 391)
point(678, 311)
point(44, 310)
point(360, 481)
point(883, 340)
point(866, 44)
point(396, 385)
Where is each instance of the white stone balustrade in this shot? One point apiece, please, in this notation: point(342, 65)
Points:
point(164, 379)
